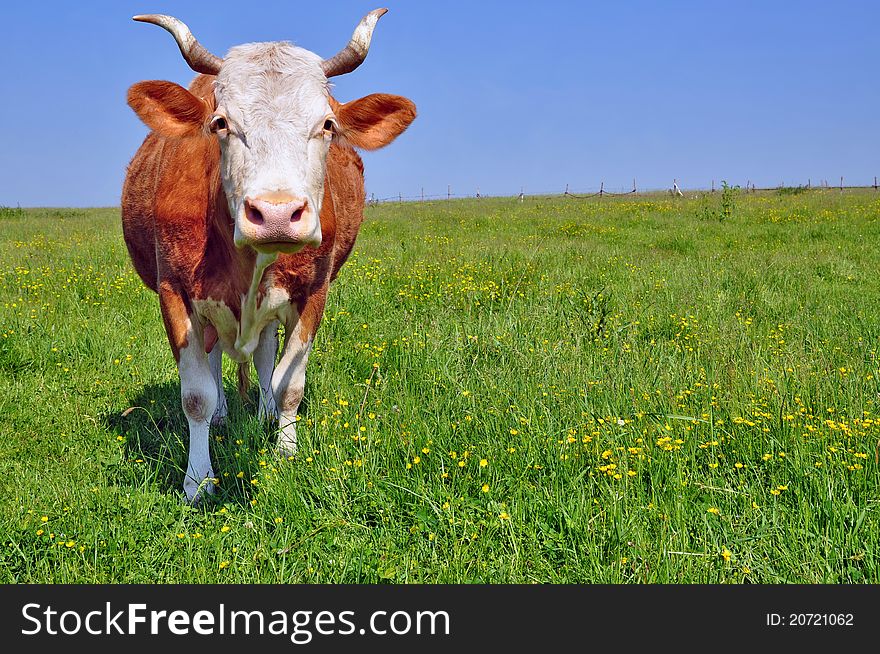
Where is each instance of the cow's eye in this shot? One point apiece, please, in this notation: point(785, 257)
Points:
point(329, 127)
point(219, 124)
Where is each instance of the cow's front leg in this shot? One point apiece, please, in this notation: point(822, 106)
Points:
point(198, 391)
point(215, 360)
point(264, 362)
point(288, 383)
point(198, 395)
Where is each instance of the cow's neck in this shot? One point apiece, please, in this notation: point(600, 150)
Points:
point(239, 302)
point(250, 322)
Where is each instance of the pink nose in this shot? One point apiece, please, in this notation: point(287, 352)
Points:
point(275, 218)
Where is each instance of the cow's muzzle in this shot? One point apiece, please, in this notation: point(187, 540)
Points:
point(279, 224)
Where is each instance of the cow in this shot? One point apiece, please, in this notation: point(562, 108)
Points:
point(239, 209)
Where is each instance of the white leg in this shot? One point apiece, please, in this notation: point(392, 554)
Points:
point(215, 359)
point(288, 384)
point(198, 395)
point(264, 362)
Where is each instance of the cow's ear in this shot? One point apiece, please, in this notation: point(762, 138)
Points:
point(375, 120)
point(168, 109)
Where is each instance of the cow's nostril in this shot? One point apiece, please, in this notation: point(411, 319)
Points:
point(296, 215)
point(253, 214)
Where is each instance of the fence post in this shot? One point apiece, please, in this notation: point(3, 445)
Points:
point(875, 182)
point(808, 182)
point(423, 194)
point(841, 184)
point(713, 185)
point(448, 191)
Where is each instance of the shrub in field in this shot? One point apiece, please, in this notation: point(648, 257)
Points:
point(728, 201)
point(707, 209)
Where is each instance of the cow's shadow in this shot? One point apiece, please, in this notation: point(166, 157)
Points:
point(155, 433)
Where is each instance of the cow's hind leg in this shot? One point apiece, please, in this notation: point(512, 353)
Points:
point(288, 383)
point(264, 362)
point(215, 359)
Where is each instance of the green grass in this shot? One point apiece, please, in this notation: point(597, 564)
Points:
point(612, 390)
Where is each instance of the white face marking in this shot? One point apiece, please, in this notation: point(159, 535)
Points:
point(275, 99)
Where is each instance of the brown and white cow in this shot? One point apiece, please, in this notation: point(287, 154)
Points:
point(239, 209)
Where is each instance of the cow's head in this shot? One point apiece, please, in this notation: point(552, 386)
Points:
point(274, 118)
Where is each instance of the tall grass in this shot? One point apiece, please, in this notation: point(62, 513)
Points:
point(554, 391)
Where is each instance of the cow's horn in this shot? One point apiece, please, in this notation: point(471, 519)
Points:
point(353, 55)
point(196, 55)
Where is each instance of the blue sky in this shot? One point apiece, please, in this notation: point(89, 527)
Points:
point(510, 94)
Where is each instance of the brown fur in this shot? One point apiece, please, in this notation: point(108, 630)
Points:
point(168, 108)
point(175, 216)
point(175, 314)
point(368, 121)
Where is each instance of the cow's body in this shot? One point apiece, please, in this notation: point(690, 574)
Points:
point(219, 288)
point(178, 230)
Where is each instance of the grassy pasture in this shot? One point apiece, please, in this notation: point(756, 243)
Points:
point(609, 390)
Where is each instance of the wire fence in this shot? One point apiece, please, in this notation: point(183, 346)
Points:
point(585, 194)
